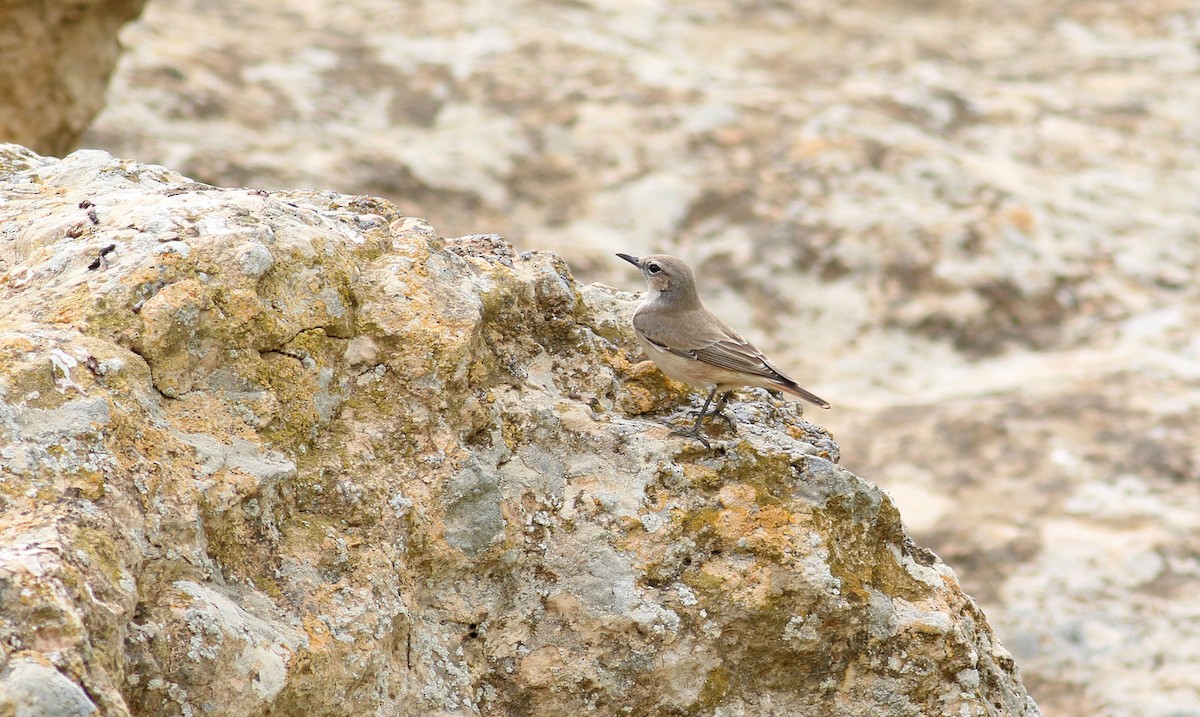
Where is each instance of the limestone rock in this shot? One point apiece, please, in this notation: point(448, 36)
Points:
point(55, 62)
point(30, 689)
point(971, 225)
point(294, 453)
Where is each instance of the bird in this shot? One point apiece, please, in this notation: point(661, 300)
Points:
point(694, 346)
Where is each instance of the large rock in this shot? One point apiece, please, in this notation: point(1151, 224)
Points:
point(291, 452)
point(55, 62)
point(970, 224)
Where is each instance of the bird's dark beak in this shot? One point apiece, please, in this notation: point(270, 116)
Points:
point(631, 259)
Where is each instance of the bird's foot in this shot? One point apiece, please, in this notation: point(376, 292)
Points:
point(693, 434)
point(724, 416)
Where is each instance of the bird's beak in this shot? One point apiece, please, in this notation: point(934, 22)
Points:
point(631, 259)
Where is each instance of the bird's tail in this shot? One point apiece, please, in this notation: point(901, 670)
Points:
point(792, 388)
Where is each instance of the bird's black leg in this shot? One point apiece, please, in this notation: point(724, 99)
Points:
point(703, 411)
point(695, 432)
point(718, 411)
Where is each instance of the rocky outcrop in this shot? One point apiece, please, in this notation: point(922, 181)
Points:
point(55, 62)
point(972, 222)
point(291, 452)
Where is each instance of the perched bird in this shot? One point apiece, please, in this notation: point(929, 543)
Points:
point(691, 345)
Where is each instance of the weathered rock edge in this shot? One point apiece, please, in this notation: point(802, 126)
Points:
point(292, 453)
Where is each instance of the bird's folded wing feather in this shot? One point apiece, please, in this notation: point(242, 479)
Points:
point(715, 344)
point(738, 357)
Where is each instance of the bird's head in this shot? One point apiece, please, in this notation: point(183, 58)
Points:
point(665, 274)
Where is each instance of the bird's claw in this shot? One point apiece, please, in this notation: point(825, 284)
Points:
point(693, 434)
point(723, 415)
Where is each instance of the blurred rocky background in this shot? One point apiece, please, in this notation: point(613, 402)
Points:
point(55, 62)
point(973, 226)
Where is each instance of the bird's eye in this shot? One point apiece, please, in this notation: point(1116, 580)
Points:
point(653, 268)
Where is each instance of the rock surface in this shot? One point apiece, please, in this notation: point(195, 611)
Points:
point(293, 453)
point(971, 225)
point(55, 62)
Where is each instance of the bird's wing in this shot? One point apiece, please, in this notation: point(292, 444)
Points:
point(702, 337)
point(709, 340)
point(738, 354)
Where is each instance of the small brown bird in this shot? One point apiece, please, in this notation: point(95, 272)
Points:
point(691, 345)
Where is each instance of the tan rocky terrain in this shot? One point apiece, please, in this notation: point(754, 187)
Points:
point(293, 453)
point(55, 62)
point(970, 225)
